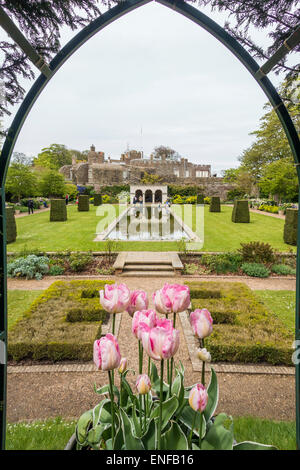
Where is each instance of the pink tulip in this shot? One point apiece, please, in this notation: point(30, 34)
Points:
point(138, 301)
point(198, 398)
point(143, 384)
point(160, 342)
point(201, 322)
point(123, 365)
point(115, 298)
point(172, 298)
point(107, 353)
point(147, 317)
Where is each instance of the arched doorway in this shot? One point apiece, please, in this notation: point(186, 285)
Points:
point(139, 195)
point(158, 196)
point(148, 196)
point(97, 25)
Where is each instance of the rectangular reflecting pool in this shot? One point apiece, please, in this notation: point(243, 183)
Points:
point(147, 223)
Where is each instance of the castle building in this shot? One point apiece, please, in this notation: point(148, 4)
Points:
point(132, 167)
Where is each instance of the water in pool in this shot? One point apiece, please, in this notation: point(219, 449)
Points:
point(147, 223)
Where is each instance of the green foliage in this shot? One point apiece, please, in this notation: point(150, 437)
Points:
point(283, 270)
point(257, 252)
point(72, 191)
point(240, 212)
point(256, 335)
point(222, 263)
point(43, 332)
point(93, 313)
point(58, 210)
point(200, 199)
point(30, 267)
point(183, 191)
point(97, 199)
point(54, 157)
point(291, 227)
point(280, 178)
point(11, 226)
point(79, 261)
point(20, 181)
point(149, 178)
point(52, 184)
point(215, 205)
point(83, 203)
point(255, 270)
point(271, 209)
point(56, 270)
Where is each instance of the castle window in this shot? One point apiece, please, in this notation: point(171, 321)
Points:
point(176, 173)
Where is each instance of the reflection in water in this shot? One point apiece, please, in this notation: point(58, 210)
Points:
point(147, 223)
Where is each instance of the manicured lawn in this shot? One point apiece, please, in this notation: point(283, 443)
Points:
point(53, 434)
point(18, 302)
point(281, 303)
point(35, 232)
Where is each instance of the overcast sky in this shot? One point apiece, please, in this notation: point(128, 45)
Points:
point(151, 78)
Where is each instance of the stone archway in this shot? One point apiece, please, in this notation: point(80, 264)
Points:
point(148, 196)
point(158, 196)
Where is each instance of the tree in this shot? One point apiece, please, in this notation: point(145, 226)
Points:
point(54, 157)
point(281, 18)
point(19, 157)
point(279, 178)
point(20, 181)
point(52, 184)
point(243, 179)
point(149, 178)
point(169, 153)
point(40, 22)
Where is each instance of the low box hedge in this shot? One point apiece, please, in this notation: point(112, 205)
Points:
point(204, 293)
point(11, 227)
point(58, 210)
point(77, 314)
point(215, 204)
point(83, 203)
point(44, 332)
point(256, 336)
point(240, 212)
point(290, 227)
point(97, 199)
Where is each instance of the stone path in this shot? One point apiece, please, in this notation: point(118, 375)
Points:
point(277, 216)
point(42, 391)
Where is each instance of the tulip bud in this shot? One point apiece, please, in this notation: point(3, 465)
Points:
point(198, 398)
point(123, 365)
point(147, 317)
point(160, 342)
point(115, 298)
point(143, 384)
point(203, 355)
point(201, 322)
point(138, 301)
point(172, 298)
point(106, 353)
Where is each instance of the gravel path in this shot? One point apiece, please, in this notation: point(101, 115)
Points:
point(68, 394)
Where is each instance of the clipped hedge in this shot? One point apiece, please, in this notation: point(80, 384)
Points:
point(200, 199)
point(83, 203)
point(290, 227)
point(240, 212)
point(44, 332)
point(11, 226)
point(204, 293)
point(256, 335)
point(97, 199)
point(58, 210)
point(215, 205)
point(86, 314)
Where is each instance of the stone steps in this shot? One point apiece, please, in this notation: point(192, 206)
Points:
point(148, 267)
point(170, 273)
point(147, 264)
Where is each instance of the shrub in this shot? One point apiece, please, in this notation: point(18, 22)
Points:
point(215, 205)
point(106, 199)
point(58, 210)
point(207, 200)
point(219, 309)
point(56, 270)
point(283, 269)
point(200, 199)
point(223, 263)
point(83, 203)
point(190, 268)
point(255, 270)
point(89, 293)
point(240, 212)
point(23, 209)
point(11, 227)
point(197, 293)
point(91, 314)
point(30, 267)
point(79, 261)
point(290, 227)
point(97, 199)
point(257, 252)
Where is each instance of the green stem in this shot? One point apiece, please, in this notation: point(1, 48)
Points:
point(200, 430)
point(203, 365)
point(141, 422)
point(192, 430)
point(140, 358)
point(145, 422)
point(112, 407)
point(174, 320)
point(113, 323)
point(168, 371)
point(171, 377)
point(160, 402)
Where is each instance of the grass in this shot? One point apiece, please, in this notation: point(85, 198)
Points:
point(18, 302)
point(53, 434)
point(281, 303)
point(78, 232)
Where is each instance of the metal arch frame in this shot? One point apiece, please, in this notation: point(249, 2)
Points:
point(79, 39)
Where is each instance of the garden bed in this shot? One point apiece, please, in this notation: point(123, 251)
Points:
point(245, 330)
point(61, 324)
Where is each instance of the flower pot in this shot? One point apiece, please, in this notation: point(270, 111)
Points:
point(71, 445)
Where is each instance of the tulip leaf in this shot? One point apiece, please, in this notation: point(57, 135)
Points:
point(218, 437)
point(131, 442)
point(119, 439)
point(168, 409)
point(95, 434)
point(83, 425)
point(213, 396)
point(102, 412)
point(106, 390)
point(155, 381)
point(126, 390)
point(136, 422)
point(178, 388)
point(150, 437)
point(248, 445)
point(174, 438)
point(188, 417)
